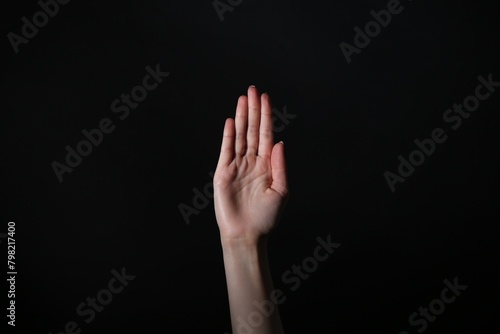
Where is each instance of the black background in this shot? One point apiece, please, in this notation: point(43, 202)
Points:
point(119, 208)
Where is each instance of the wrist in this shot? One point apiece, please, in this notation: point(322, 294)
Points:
point(245, 256)
point(246, 242)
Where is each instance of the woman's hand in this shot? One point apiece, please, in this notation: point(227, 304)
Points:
point(250, 182)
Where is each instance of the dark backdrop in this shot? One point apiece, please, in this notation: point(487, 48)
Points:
point(347, 124)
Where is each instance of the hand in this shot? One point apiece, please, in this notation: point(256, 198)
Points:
point(250, 182)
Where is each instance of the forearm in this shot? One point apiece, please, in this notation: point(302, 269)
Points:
point(249, 283)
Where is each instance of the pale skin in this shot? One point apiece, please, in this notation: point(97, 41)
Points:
point(250, 193)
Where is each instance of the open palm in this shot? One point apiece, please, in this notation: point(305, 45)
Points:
point(250, 183)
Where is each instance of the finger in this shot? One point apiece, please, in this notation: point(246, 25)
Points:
point(241, 125)
point(266, 137)
point(278, 169)
point(253, 120)
point(227, 146)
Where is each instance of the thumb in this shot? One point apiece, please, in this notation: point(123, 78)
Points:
point(278, 169)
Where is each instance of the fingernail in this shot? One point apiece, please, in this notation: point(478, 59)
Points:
point(281, 142)
point(252, 86)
